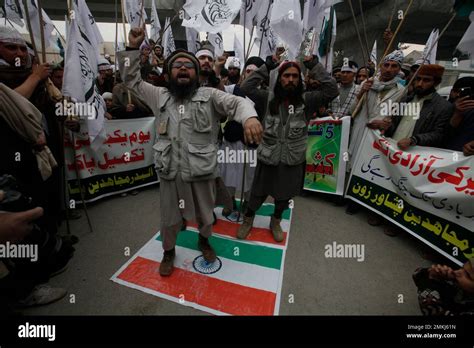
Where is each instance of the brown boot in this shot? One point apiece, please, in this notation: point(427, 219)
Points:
point(166, 265)
point(245, 228)
point(276, 229)
point(206, 249)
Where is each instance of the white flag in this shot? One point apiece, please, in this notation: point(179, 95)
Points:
point(79, 79)
point(239, 50)
point(431, 47)
point(155, 23)
point(88, 26)
point(285, 21)
point(87, 23)
point(466, 45)
point(248, 13)
point(266, 39)
point(135, 13)
point(373, 54)
point(13, 12)
point(168, 40)
point(212, 16)
point(48, 26)
point(218, 43)
point(192, 39)
point(313, 11)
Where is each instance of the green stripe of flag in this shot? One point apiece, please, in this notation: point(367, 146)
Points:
point(255, 254)
point(267, 210)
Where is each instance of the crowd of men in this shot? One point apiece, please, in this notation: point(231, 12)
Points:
point(200, 106)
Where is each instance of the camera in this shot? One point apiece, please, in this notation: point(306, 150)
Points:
point(14, 199)
point(465, 92)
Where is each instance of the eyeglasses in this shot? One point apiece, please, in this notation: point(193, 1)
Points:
point(177, 65)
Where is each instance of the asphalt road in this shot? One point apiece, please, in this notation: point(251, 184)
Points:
point(312, 285)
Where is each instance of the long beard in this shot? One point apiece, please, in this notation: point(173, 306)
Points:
point(423, 93)
point(234, 79)
point(182, 91)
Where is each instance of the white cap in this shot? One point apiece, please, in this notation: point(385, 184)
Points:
point(11, 35)
point(107, 95)
point(234, 62)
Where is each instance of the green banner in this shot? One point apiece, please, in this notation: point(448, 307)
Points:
point(326, 155)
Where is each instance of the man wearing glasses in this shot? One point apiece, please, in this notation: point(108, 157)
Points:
point(188, 117)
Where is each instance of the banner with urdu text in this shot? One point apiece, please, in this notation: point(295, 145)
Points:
point(426, 191)
point(124, 160)
point(326, 155)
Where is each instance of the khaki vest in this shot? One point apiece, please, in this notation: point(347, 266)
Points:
point(284, 143)
point(187, 136)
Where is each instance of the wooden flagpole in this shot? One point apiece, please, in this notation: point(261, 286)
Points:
point(359, 104)
point(41, 22)
point(28, 23)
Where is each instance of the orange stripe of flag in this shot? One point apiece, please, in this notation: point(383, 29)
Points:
point(206, 291)
point(228, 228)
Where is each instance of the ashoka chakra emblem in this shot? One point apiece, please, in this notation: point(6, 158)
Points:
point(204, 267)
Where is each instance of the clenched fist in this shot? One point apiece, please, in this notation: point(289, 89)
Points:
point(136, 37)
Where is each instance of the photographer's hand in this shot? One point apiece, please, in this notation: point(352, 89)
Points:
point(14, 227)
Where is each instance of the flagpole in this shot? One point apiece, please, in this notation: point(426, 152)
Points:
point(141, 15)
point(116, 42)
point(28, 23)
point(169, 24)
point(245, 16)
point(41, 21)
point(364, 27)
point(123, 22)
point(389, 26)
point(427, 55)
point(251, 42)
point(266, 18)
point(357, 31)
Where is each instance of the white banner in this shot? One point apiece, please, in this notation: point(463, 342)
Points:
point(426, 191)
point(124, 161)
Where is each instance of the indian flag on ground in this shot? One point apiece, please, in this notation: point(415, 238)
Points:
point(245, 280)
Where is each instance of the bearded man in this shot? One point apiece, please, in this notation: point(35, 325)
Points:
point(282, 154)
point(188, 117)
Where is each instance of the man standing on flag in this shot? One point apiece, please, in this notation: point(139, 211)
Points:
point(282, 154)
point(186, 158)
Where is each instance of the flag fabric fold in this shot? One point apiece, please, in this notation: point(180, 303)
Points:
point(13, 12)
point(466, 45)
point(217, 42)
point(192, 39)
point(155, 23)
point(212, 16)
point(79, 78)
point(168, 39)
point(285, 21)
